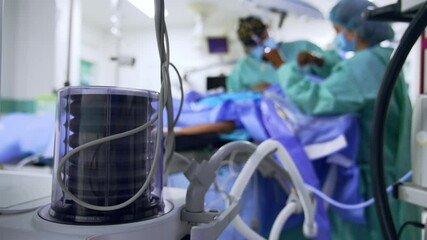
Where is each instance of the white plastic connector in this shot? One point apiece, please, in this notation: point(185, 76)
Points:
point(309, 229)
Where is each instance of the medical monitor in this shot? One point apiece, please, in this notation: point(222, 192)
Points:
point(217, 45)
point(216, 82)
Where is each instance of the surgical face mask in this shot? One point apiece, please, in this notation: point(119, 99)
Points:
point(257, 52)
point(269, 42)
point(345, 45)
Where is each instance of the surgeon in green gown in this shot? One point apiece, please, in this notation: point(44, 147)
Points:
point(352, 87)
point(252, 72)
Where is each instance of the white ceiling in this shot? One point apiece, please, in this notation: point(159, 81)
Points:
point(218, 12)
point(98, 12)
point(181, 12)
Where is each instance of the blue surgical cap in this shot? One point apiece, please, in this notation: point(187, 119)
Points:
point(348, 14)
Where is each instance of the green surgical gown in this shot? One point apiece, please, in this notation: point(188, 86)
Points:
point(249, 71)
point(352, 87)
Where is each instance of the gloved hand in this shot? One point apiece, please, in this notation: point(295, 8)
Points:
point(274, 57)
point(306, 57)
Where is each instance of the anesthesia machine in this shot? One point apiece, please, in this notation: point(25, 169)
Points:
point(107, 179)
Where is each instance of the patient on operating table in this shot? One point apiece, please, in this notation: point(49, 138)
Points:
point(259, 116)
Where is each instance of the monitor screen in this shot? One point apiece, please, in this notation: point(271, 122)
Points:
point(217, 44)
point(216, 82)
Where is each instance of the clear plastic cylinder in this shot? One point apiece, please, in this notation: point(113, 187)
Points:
point(109, 173)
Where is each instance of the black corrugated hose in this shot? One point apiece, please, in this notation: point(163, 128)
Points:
point(414, 30)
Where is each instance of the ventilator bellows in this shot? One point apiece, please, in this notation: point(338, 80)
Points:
point(109, 173)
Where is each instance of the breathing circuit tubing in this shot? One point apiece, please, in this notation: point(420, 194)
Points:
point(415, 28)
point(352, 206)
point(309, 226)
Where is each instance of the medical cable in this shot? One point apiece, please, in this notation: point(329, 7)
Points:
point(163, 46)
point(165, 100)
point(181, 103)
point(69, 44)
point(352, 206)
point(167, 162)
point(413, 223)
point(415, 28)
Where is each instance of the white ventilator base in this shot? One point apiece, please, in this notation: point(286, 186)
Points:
point(23, 194)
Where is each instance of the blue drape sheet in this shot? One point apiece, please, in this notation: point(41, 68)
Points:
point(271, 115)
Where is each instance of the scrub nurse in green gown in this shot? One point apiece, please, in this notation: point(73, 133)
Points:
point(253, 72)
point(352, 87)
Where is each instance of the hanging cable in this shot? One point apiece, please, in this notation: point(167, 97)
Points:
point(165, 101)
point(413, 223)
point(70, 42)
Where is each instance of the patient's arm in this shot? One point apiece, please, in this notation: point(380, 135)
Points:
point(219, 127)
point(260, 86)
